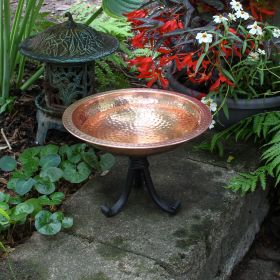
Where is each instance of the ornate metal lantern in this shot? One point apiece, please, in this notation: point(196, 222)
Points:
point(68, 50)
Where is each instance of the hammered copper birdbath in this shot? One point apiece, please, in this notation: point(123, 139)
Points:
point(137, 123)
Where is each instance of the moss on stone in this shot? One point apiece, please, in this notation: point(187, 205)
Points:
point(98, 276)
point(110, 252)
point(180, 233)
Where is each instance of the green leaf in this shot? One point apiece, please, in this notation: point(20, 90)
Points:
point(91, 159)
point(58, 216)
point(76, 175)
point(199, 62)
point(7, 164)
point(46, 224)
point(107, 161)
point(5, 214)
point(24, 186)
point(30, 158)
point(23, 208)
point(57, 197)
point(48, 150)
point(67, 222)
point(44, 186)
point(4, 205)
point(3, 197)
point(228, 75)
point(117, 8)
point(52, 173)
point(65, 151)
point(12, 184)
point(50, 161)
point(35, 203)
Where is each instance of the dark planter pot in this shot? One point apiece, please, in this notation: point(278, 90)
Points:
point(238, 109)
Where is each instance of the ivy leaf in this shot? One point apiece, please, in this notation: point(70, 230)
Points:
point(7, 164)
point(76, 175)
point(50, 161)
point(52, 173)
point(46, 224)
point(44, 186)
point(67, 222)
point(48, 150)
point(24, 186)
point(107, 161)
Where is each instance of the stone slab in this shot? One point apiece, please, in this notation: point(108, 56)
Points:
point(210, 234)
point(203, 241)
point(66, 257)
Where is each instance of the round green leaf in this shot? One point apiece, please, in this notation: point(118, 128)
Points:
point(49, 150)
point(75, 176)
point(50, 161)
point(107, 161)
point(22, 186)
point(57, 197)
point(24, 208)
point(4, 205)
point(116, 8)
point(57, 216)
point(29, 159)
point(67, 222)
point(44, 186)
point(52, 173)
point(35, 203)
point(45, 224)
point(4, 214)
point(7, 164)
point(3, 197)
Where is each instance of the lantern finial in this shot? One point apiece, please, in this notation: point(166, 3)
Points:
point(70, 18)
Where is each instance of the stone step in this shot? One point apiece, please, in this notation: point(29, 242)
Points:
point(210, 234)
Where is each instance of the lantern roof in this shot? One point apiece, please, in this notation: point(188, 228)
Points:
point(69, 42)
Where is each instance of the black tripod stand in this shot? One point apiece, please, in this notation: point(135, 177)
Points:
point(139, 173)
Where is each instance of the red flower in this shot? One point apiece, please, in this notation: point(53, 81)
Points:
point(139, 40)
point(221, 79)
point(170, 26)
point(134, 16)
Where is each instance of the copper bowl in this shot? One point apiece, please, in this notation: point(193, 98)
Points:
point(137, 122)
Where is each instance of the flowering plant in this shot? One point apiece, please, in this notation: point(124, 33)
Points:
point(232, 54)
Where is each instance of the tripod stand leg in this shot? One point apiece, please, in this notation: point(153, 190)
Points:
point(170, 208)
point(118, 206)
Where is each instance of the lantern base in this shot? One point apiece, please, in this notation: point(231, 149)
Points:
point(46, 122)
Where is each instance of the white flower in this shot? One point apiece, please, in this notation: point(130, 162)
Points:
point(276, 33)
point(237, 6)
point(254, 55)
point(242, 14)
point(255, 29)
point(219, 19)
point(204, 37)
point(232, 17)
point(260, 51)
point(209, 102)
point(212, 124)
